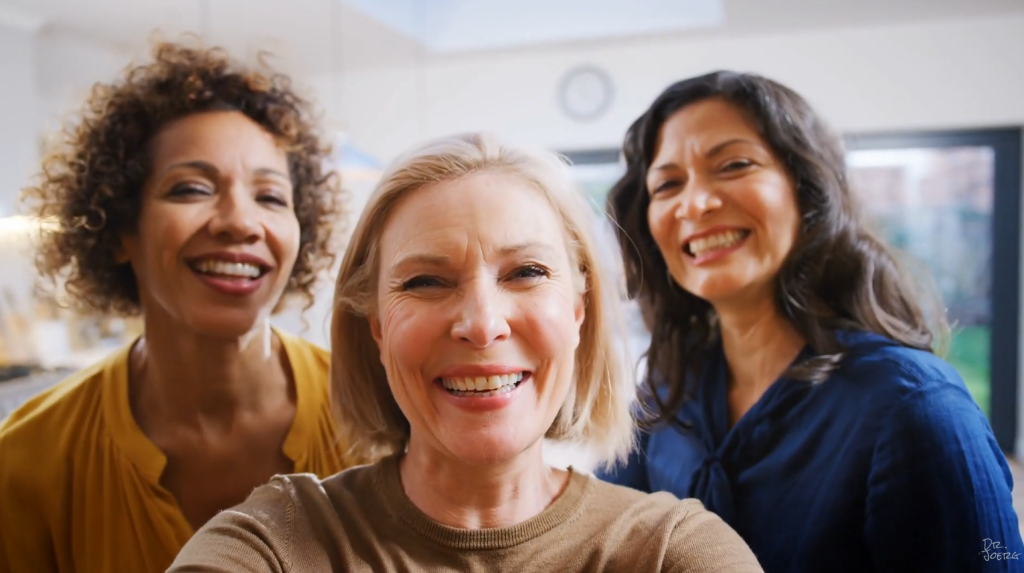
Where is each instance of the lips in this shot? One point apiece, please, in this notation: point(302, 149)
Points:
point(704, 244)
point(231, 274)
point(482, 386)
point(229, 270)
point(238, 266)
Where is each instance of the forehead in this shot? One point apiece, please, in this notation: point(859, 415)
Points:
point(704, 124)
point(216, 137)
point(485, 211)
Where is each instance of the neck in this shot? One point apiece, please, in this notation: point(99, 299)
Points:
point(759, 344)
point(472, 496)
point(186, 377)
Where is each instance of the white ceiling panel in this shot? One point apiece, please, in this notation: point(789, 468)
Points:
point(320, 36)
point(445, 26)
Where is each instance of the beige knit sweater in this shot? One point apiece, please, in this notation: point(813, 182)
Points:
point(361, 520)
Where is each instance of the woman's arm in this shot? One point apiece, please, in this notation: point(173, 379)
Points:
point(229, 543)
point(25, 541)
point(251, 538)
point(703, 543)
point(939, 491)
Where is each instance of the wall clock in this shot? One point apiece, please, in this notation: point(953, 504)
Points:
point(585, 92)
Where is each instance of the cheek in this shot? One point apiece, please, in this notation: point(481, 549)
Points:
point(549, 322)
point(408, 332)
point(776, 208)
point(662, 222)
point(286, 234)
point(659, 221)
point(160, 239)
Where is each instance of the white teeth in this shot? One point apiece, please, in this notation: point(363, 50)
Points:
point(703, 245)
point(215, 267)
point(482, 385)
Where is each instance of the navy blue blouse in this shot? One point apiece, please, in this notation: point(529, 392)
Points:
point(887, 466)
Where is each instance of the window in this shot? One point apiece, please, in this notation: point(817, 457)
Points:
point(951, 201)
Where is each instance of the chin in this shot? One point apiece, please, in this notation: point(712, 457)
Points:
point(488, 452)
point(716, 289)
point(225, 323)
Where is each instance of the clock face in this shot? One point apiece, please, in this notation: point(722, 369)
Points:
point(585, 92)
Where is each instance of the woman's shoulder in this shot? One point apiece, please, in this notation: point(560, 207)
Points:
point(307, 359)
point(902, 391)
point(617, 499)
point(308, 489)
point(690, 536)
point(645, 510)
point(273, 524)
point(882, 362)
point(298, 500)
point(64, 404)
point(40, 437)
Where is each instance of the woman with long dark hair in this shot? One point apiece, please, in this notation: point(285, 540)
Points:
point(792, 381)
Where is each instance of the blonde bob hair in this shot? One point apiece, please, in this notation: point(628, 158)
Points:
point(597, 410)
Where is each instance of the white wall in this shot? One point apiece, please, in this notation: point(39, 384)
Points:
point(929, 75)
point(66, 67)
point(19, 138)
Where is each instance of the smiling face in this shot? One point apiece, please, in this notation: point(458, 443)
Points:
point(217, 235)
point(723, 209)
point(478, 316)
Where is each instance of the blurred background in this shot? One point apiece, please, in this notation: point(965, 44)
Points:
point(929, 95)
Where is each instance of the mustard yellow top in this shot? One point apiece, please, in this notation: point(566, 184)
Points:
point(80, 483)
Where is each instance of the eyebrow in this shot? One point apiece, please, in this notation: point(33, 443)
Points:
point(209, 170)
point(206, 168)
point(421, 259)
point(710, 153)
point(431, 260)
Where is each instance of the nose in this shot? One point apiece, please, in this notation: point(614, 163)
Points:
point(481, 319)
point(697, 200)
point(236, 215)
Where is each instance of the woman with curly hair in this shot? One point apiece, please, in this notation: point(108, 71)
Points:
point(192, 191)
point(791, 370)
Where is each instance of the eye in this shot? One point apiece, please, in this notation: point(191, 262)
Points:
point(273, 199)
point(666, 186)
point(530, 272)
point(737, 165)
point(187, 189)
point(421, 282)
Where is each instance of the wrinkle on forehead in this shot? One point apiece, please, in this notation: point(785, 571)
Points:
point(429, 216)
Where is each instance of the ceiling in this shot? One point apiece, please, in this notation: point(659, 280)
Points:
point(317, 36)
point(468, 25)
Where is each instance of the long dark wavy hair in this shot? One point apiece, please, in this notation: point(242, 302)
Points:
point(838, 275)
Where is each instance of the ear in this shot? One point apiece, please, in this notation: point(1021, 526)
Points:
point(580, 309)
point(374, 323)
point(121, 252)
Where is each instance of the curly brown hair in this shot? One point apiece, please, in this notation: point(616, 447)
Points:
point(91, 179)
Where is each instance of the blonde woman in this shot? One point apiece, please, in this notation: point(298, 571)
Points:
point(471, 322)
